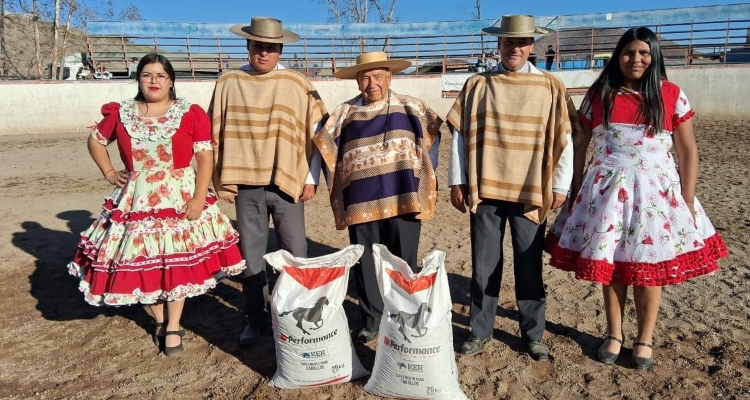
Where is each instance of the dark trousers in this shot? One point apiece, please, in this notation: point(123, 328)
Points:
point(401, 236)
point(254, 205)
point(487, 234)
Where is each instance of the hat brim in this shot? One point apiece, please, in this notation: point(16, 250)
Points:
point(244, 31)
point(537, 32)
point(393, 65)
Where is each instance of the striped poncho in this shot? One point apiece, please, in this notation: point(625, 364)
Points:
point(263, 125)
point(379, 156)
point(514, 127)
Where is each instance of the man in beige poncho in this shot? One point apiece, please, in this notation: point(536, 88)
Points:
point(511, 161)
point(264, 118)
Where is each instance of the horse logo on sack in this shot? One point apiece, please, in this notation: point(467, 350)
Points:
point(414, 321)
point(313, 314)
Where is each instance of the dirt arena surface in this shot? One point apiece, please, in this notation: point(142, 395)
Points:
point(55, 346)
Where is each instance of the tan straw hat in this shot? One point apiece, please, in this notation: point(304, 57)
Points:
point(264, 29)
point(372, 60)
point(517, 26)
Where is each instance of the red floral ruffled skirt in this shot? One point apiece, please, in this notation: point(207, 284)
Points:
point(141, 253)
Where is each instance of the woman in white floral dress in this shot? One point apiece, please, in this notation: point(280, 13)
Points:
point(161, 237)
point(634, 220)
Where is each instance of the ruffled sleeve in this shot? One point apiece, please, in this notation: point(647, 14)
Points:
point(105, 131)
point(202, 129)
point(682, 110)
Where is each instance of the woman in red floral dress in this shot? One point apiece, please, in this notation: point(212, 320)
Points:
point(161, 237)
point(634, 220)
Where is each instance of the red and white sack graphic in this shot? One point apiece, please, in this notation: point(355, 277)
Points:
point(414, 358)
point(313, 345)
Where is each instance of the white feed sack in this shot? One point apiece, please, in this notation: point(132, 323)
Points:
point(414, 357)
point(313, 345)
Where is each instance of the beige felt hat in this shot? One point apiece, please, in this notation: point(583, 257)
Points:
point(517, 26)
point(371, 60)
point(264, 29)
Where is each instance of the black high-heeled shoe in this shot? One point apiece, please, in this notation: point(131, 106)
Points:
point(643, 363)
point(609, 357)
point(174, 350)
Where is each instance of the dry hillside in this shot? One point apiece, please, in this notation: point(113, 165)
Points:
point(19, 42)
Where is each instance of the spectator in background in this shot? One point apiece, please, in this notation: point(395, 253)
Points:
point(132, 67)
point(86, 71)
point(491, 60)
point(550, 57)
point(480, 66)
point(102, 73)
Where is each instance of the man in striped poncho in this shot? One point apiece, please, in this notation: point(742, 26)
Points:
point(264, 118)
point(511, 161)
point(381, 148)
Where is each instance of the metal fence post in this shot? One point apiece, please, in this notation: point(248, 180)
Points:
point(190, 58)
point(726, 42)
point(689, 58)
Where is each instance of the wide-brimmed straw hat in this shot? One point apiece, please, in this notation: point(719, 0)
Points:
point(264, 29)
point(517, 26)
point(372, 60)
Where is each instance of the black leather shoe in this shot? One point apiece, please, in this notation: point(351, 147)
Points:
point(537, 350)
point(643, 363)
point(606, 356)
point(158, 338)
point(251, 334)
point(366, 336)
point(473, 345)
point(176, 350)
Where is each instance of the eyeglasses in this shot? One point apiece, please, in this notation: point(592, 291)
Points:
point(147, 77)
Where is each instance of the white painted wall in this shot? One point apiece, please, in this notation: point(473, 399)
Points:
point(49, 107)
point(715, 91)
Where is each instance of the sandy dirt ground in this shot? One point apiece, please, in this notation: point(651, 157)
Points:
point(55, 346)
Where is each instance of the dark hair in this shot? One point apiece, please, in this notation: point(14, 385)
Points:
point(152, 58)
point(606, 86)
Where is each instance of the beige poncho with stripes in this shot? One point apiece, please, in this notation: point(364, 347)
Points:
point(514, 126)
point(263, 126)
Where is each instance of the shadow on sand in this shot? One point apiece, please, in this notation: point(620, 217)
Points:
point(55, 291)
point(216, 317)
point(460, 288)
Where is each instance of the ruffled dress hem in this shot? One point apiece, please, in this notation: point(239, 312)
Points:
point(157, 274)
point(138, 296)
point(168, 277)
point(685, 266)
